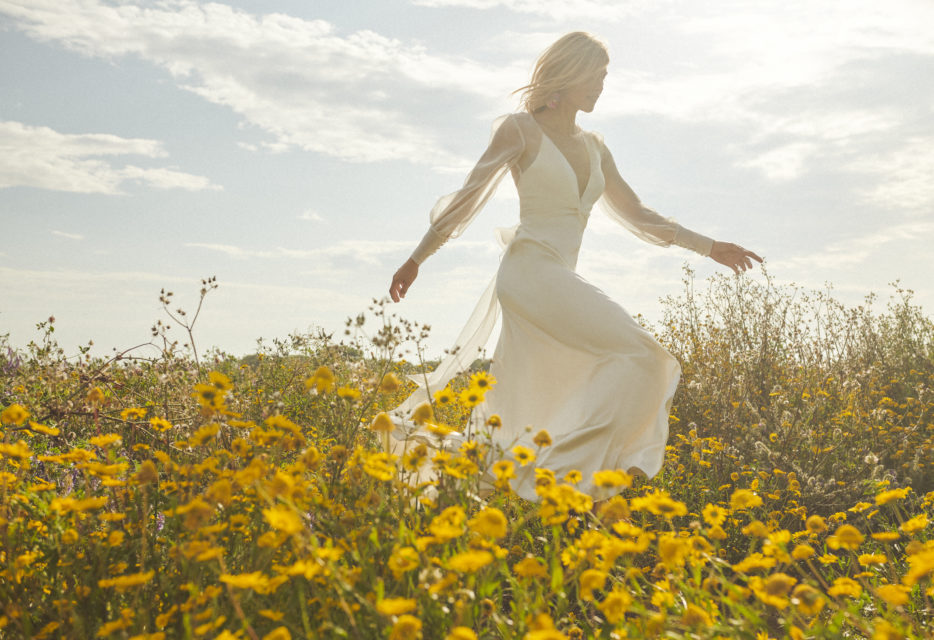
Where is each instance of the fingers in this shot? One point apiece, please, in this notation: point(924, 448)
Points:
point(398, 289)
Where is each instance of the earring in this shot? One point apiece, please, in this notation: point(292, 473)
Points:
point(553, 101)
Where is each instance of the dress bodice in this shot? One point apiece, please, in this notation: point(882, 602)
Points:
point(552, 209)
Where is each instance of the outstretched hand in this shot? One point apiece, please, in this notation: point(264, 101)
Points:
point(403, 279)
point(733, 256)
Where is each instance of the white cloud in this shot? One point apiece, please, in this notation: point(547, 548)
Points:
point(64, 234)
point(44, 158)
point(604, 10)
point(906, 176)
point(311, 216)
point(856, 251)
point(344, 96)
point(357, 251)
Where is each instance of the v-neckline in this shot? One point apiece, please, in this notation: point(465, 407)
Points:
point(577, 181)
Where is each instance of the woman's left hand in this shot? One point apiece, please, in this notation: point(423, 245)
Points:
point(733, 256)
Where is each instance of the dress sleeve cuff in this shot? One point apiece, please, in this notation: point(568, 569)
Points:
point(693, 241)
point(430, 243)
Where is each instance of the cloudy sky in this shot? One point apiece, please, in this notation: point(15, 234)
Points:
point(293, 148)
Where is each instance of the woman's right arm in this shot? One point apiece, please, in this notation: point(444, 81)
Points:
point(455, 211)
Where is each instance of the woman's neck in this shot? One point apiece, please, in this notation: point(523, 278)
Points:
point(560, 120)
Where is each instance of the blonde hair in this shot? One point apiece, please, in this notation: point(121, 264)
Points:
point(570, 59)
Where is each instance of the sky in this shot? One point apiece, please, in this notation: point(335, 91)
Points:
point(293, 149)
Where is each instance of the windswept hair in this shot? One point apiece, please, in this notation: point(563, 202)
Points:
point(570, 59)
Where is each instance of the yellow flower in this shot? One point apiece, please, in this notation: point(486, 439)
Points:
point(744, 499)
point(279, 633)
point(219, 381)
point(573, 476)
point(615, 605)
point(921, 564)
point(349, 393)
point(846, 536)
point(423, 414)
point(461, 633)
point(122, 583)
point(714, 515)
point(504, 470)
point(449, 524)
point(866, 559)
point(809, 600)
point(754, 561)
point(609, 478)
point(403, 560)
point(695, 616)
point(471, 397)
point(395, 606)
point(19, 450)
point(859, 507)
point(523, 455)
point(659, 503)
point(470, 561)
point(918, 523)
point(590, 580)
point(322, 380)
point(885, 630)
point(894, 594)
point(382, 423)
point(755, 529)
point(845, 587)
point(256, 581)
point(95, 396)
point(406, 628)
point(461, 467)
point(15, 414)
point(133, 413)
point(284, 519)
point(803, 552)
point(105, 441)
point(529, 567)
point(542, 627)
point(544, 477)
point(275, 616)
point(774, 589)
point(895, 494)
point(490, 523)
point(439, 429)
point(444, 397)
point(41, 428)
point(673, 551)
point(203, 435)
point(494, 421)
point(160, 424)
point(815, 524)
point(482, 380)
point(542, 438)
point(389, 383)
point(379, 465)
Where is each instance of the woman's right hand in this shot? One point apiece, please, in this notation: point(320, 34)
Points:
point(403, 279)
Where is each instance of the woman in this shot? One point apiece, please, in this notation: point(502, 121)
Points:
point(568, 360)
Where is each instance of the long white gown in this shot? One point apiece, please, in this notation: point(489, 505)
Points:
point(568, 359)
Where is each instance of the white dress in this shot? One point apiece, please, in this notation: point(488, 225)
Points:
point(568, 359)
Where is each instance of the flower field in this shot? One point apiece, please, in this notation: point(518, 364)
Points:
point(159, 494)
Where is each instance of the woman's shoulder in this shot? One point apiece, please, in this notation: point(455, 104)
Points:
point(596, 136)
point(516, 125)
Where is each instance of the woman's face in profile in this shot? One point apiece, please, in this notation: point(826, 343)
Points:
point(583, 95)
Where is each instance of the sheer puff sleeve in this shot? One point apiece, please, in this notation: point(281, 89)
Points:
point(455, 211)
point(623, 205)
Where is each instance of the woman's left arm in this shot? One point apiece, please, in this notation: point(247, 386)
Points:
point(624, 206)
